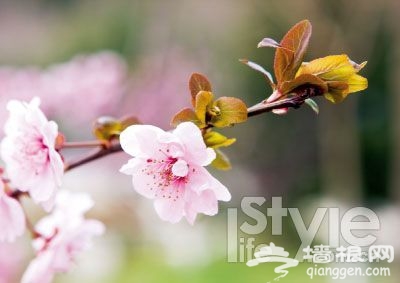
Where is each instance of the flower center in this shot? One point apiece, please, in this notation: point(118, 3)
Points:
point(33, 153)
point(167, 177)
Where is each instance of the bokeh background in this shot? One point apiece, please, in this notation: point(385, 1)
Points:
point(87, 58)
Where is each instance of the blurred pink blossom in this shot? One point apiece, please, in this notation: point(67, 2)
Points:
point(32, 163)
point(87, 86)
point(63, 235)
point(12, 217)
point(168, 167)
point(11, 259)
point(159, 87)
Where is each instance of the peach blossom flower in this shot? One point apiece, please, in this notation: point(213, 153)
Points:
point(33, 164)
point(169, 168)
point(12, 217)
point(63, 235)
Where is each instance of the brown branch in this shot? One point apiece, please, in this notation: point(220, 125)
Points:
point(91, 157)
point(265, 106)
point(95, 143)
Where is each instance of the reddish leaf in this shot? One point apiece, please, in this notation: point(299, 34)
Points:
point(289, 56)
point(186, 115)
point(197, 83)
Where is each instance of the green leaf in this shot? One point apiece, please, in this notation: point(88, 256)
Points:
point(221, 161)
point(227, 111)
point(186, 115)
point(289, 55)
point(216, 140)
point(197, 83)
point(260, 69)
point(202, 103)
point(312, 104)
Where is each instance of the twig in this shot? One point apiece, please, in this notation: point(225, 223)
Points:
point(262, 107)
point(91, 157)
point(95, 143)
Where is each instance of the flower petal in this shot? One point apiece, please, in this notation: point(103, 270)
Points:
point(201, 179)
point(168, 210)
point(141, 140)
point(12, 219)
point(192, 139)
point(205, 202)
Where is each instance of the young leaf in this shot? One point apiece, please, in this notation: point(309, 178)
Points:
point(202, 102)
point(305, 79)
point(186, 115)
point(260, 69)
point(197, 83)
point(216, 140)
point(288, 58)
point(221, 161)
point(106, 128)
point(358, 67)
point(357, 83)
point(337, 91)
point(227, 111)
point(329, 68)
point(312, 104)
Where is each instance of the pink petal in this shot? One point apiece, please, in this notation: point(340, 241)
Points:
point(12, 219)
point(44, 186)
point(142, 182)
point(39, 270)
point(132, 166)
point(141, 140)
point(201, 180)
point(205, 203)
point(169, 210)
point(196, 150)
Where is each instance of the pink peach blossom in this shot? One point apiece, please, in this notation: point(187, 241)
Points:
point(96, 80)
point(33, 164)
point(12, 217)
point(169, 168)
point(11, 259)
point(63, 235)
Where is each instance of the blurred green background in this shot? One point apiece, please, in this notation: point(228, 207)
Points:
point(347, 156)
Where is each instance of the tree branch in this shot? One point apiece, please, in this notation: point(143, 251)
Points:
point(91, 157)
point(262, 107)
point(265, 106)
